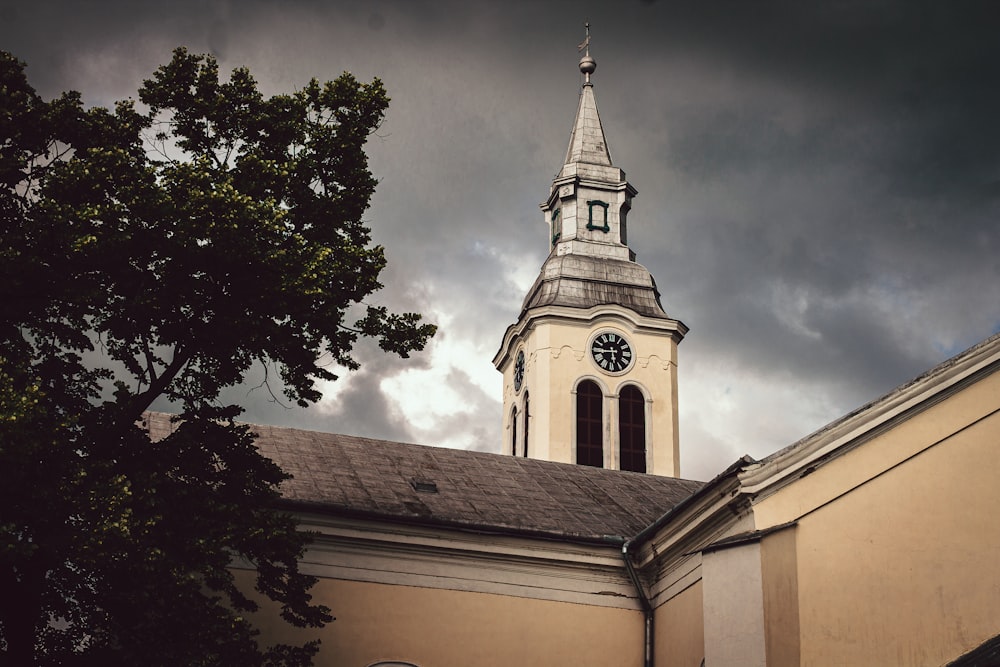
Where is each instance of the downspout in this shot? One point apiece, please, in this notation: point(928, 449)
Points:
point(647, 608)
point(721, 481)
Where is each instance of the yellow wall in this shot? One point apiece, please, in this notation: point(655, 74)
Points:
point(445, 628)
point(898, 544)
point(679, 630)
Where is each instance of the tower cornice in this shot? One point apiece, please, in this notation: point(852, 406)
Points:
point(565, 187)
point(607, 314)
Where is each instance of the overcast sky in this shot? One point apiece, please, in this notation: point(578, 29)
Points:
point(819, 184)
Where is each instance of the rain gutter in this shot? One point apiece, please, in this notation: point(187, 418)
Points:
point(647, 607)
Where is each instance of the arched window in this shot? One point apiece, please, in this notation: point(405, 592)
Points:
point(632, 429)
point(513, 431)
point(589, 424)
point(527, 420)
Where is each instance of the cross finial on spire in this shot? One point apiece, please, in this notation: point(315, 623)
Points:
point(585, 44)
point(587, 64)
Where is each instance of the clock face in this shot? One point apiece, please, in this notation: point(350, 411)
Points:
point(611, 352)
point(519, 370)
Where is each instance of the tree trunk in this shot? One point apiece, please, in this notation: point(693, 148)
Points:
point(21, 609)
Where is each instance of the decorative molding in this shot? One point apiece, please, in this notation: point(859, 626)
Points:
point(625, 317)
point(399, 554)
point(685, 573)
point(655, 359)
point(556, 352)
point(715, 511)
point(591, 203)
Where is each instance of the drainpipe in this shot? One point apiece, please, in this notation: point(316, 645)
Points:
point(647, 608)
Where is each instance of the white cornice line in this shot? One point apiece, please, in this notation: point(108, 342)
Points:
point(693, 527)
point(570, 315)
point(679, 578)
point(439, 538)
point(399, 554)
point(928, 389)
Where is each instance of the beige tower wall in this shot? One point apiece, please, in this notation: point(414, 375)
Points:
point(557, 355)
point(897, 547)
point(447, 628)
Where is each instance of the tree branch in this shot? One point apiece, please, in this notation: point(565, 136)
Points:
point(157, 387)
point(150, 360)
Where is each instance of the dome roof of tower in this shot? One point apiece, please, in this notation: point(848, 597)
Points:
point(584, 281)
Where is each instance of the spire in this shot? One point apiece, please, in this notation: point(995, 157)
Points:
point(587, 143)
point(589, 199)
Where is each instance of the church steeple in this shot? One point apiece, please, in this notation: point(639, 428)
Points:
point(588, 203)
point(587, 142)
point(592, 347)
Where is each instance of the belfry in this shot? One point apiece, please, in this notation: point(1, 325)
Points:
point(590, 365)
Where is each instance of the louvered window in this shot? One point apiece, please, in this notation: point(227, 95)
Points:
point(589, 425)
point(632, 429)
point(527, 420)
point(513, 432)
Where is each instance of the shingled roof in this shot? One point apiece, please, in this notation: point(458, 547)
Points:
point(353, 476)
point(581, 281)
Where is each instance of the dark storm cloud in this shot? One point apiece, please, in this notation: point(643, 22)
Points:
point(819, 183)
point(828, 179)
point(358, 407)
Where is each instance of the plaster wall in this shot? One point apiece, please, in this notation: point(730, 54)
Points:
point(897, 547)
point(733, 607)
point(679, 630)
point(906, 569)
point(557, 358)
point(447, 628)
point(584, 214)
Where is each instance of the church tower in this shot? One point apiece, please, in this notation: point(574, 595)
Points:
point(590, 366)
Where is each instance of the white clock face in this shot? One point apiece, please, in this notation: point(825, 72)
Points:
point(611, 352)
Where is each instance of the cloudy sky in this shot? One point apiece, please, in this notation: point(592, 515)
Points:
point(819, 183)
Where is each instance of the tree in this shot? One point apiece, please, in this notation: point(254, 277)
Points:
point(165, 249)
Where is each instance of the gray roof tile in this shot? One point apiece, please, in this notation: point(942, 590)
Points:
point(350, 475)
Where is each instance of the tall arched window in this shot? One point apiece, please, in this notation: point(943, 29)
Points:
point(513, 431)
point(632, 429)
point(589, 424)
point(527, 420)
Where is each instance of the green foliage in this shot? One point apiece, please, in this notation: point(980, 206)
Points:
point(167, 248)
